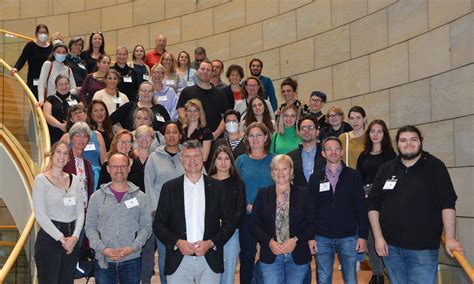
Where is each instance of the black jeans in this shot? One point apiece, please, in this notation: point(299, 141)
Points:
point(52, 262)
point(248, 250)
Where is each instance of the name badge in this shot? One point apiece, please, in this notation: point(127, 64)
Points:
point(81, 66)
point(72, 102)
point(190, 83)
point(130, 203)
point(127, 79)
point(146, 77)
point(162, 98)
point(90, 147)
point(390, 184)
point(169, 82)
point(324, 186)
point(117, 100)
point(160, 118)
point(36, 82)
point(69, 201)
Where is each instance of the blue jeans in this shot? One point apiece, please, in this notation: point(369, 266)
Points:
point(161, 260)
point(284, 270)
point(231, 253)
point(119, 272)
point(411, 266)
point(327, 248)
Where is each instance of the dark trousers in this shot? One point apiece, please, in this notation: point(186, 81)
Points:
point(248, 250)
point(52, 262)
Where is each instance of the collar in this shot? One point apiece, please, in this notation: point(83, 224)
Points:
point(200, 181)
point(338, 169)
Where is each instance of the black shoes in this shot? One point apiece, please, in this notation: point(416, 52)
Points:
point(377, 279)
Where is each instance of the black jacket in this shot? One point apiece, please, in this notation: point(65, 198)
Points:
point(343, 212)
point(262, 222)
point(170, 221)
point(299, 178)
point(410, 214)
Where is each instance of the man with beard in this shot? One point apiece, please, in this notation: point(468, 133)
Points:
point(213, 100)
point(256, 66)
point(412, 199)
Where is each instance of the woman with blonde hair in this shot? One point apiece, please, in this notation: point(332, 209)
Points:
point(59, 210)
point(194, 126)
point(286, 138)
point(163, 94)
point(171, 77)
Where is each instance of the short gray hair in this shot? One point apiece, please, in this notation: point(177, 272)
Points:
point(79, 127)
point(192, 144)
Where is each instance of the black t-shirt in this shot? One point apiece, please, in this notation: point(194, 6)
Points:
point(59, 108)
point(213, 101)
point(368, 164)
point(200, 134)
point(35, 55)
point(89, 60)
point(78, 68)
point(128, 83)
point(124, 116)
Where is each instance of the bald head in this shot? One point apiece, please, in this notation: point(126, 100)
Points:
point(160, 43)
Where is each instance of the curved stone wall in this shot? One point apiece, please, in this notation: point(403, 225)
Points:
point(406, 61)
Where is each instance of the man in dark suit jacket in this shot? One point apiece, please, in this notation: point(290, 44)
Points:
point(307, 158)
point(194, 219)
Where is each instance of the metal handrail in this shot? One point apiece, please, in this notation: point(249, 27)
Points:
point(16, 35)
point(47, 142)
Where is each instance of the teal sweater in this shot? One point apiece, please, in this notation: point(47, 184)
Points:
point(283, 144)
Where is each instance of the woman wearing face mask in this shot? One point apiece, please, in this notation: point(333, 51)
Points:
point(194, 126)
point(142, 70)
point(95, 81)
point(96, 49)
point(75, 62)
point(286, 139)
point(35, 53)
point(258, 112)
point(51, 68)
point(56, 108)
point(233, 136)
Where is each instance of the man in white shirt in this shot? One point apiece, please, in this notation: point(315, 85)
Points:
point(194, 219)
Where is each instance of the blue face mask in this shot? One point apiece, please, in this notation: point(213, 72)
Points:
point(59, 57)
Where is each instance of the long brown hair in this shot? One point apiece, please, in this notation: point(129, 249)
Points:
point(224, 149)
point(250, 116)
point(107, 124)
point(386, 143)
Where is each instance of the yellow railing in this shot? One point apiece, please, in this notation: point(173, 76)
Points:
point(9, 33)
point(29, 165)
point(461, 259)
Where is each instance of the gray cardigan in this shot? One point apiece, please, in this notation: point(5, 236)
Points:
point(110, 224)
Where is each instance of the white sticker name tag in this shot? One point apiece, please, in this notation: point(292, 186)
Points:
point(81, 66)
point(324, 186)
point(160, 118)
point(390, 184)
point(130, 203)
point(117, 100)
point(90, 147)
point(162, 98)
point(36, 82)
point(170, 82)
point(127, 79)
point(190, 83)
point(72, 102)
point(69, 201)
point(146, 77)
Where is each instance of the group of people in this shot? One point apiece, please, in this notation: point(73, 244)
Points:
point(159, 154)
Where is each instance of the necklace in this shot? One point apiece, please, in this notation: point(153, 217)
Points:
point(375, 152)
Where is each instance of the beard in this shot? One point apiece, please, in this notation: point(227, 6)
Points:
point(410, 156)
point(255, 74)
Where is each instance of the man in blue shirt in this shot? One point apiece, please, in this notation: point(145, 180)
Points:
point(256, 66)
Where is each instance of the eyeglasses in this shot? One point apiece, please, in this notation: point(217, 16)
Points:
point(78, 135)
point(252, 86)
point(256, 136)
point(334, 115)
point(143, 137)
point(146, 91)
point(123, 142)
point(79, 113)
point(116, 167)
point(307, 128)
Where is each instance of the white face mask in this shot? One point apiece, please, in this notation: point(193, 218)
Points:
point(43, 37)
point(231, 126)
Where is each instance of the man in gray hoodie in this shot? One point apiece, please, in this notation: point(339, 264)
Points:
point(118, 224)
